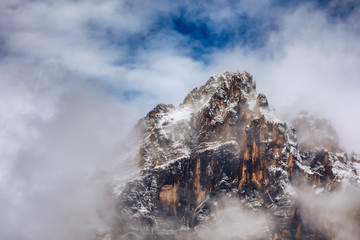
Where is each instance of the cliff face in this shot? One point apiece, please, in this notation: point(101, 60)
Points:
point(225, 141)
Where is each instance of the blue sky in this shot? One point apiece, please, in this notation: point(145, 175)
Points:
point(75, 76)
point(106, 41)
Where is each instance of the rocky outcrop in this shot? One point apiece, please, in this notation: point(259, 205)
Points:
point(224, 140)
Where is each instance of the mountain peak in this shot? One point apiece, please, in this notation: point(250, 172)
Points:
point(223, 85)
point(225, 140)
point(208, 114)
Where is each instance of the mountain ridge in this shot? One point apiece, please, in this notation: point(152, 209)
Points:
point(224, 140)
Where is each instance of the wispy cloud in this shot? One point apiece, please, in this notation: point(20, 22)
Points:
point(231, 220)
point(76, 75)
point(335, 214)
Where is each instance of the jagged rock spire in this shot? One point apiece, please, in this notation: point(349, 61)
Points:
point(224, 139)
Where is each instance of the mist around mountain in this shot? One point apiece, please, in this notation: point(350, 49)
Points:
point(88, 164)
point(76, 76)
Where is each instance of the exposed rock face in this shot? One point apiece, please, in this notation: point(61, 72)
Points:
point(224, 140)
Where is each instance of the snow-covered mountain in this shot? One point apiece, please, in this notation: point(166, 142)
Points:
point(225, 142)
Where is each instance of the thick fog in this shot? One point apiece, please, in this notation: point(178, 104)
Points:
point(336, 214)
point(61, 153)
point(231, 220)
point(75, 79)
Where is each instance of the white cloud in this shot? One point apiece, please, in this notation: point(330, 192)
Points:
point(336, 214)
point(232, 221)
point(59, 121)
point(59, 134)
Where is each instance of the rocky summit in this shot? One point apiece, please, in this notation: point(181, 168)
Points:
point(225, 142)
